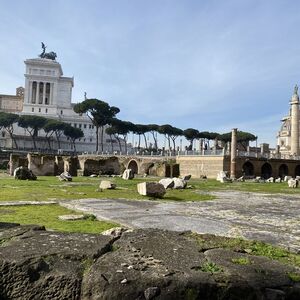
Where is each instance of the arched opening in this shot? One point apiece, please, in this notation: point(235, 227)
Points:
point(266, 171)
point(283, 171)
point(133, 166)
point(297, 171)
point(248, 169)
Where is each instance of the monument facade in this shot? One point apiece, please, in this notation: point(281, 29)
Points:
point(48, 93)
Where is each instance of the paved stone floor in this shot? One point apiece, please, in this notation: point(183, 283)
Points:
point(270, 218)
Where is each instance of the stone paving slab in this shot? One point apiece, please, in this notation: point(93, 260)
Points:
point(271, 218)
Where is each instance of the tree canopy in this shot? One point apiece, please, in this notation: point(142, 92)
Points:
point(73, 133)
point(99, 112)
point(32, 124)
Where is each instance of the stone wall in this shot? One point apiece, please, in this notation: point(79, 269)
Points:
point(107, 165)
point(16, 161)
point(199, 166)
point(41, 165)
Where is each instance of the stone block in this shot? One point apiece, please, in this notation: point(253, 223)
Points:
point(107, 185)
point(152, 189)
point(168, 183)
point(128, 174)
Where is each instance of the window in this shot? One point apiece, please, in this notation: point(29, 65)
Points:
point(84, 140)
point(79, 125)
point(61, 112)
point(3, 134)
point(91, 140)
point(32, 109)
point(75, 125)
point(84, 125)
point(39, 110)
point(46, 110)
point(90, 126)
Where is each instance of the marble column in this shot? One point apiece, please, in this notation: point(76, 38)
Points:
point(233, 153)
point(44, 92)
point(30, 87)
point(295, 123)
point(37, 92)
point(51, 94)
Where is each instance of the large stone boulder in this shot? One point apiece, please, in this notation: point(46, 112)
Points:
point(65, 176)
point(287, 178)
point(107, 185)
point(293, 183)
point(142, 264)
point(168, 183)
point(179, 183)
point(128, 174)
point(187, 177)
point(151, 189)
point(23, 173)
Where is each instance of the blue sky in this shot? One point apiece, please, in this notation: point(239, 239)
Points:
point(210, 65)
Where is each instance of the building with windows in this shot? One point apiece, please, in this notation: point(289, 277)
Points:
point(48, 93)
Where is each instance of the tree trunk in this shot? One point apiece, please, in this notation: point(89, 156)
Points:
point(120, 146)
point(146, 145)
point(169, 142)
point(13, 139)
point(102, 130)
point(111, 143)
point(58, 139)
point(174, 145)
point(155, 141)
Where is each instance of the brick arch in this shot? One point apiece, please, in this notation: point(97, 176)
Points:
point(283, 170)
point(133, 165)
point(266, 170)
point(248, 169)
point(297, 170)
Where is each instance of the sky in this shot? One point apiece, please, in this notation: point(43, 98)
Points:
point(212, 65)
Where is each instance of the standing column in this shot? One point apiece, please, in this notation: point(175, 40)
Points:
point(295, 123)
point(51, 93)
point(37, 92)
point(44, 92)
point(30, 86)
point(233, 153)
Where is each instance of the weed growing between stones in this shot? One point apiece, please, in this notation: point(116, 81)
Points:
point(294, 277)
point(207, 241)
point(210, 267)
point(241, 261)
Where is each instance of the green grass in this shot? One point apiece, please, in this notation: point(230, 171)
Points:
point(50, 188)
point(210, 267)
point(258, 248)
point(294, 277)
point(47, 215)
point(241, 261)
point(272, 188)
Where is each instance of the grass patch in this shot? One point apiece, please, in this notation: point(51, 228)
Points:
point(294, 277)
point(47, 215)
point(207, 241)
point(210, 267)
point(50, 188)
point(241, 261)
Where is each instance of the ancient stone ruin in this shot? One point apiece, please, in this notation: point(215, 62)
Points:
point(142, 264)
